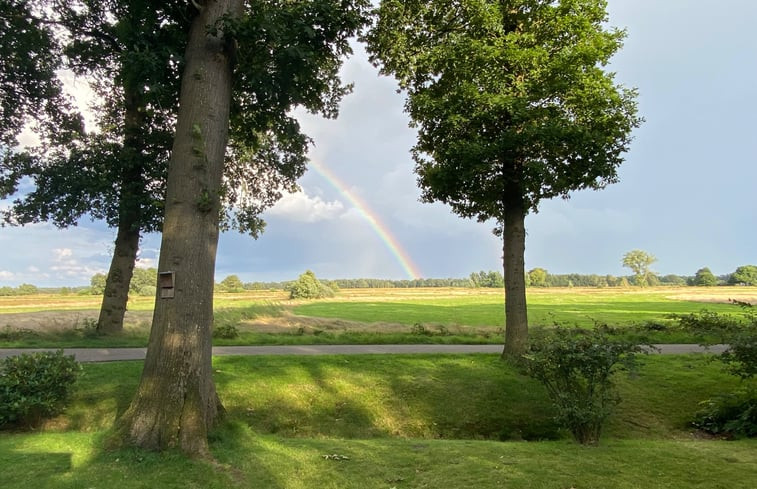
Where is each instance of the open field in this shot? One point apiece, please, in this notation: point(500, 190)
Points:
point(439, 315)
point(395, 421)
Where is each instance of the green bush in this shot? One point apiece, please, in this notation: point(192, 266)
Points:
point(707, 324)
point(34, 386)
point(576, 366)
point(307, 286)
point(733, 415)
point(226, 331)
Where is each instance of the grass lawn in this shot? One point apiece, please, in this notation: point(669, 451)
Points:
point(393, 421)
point(250, 460)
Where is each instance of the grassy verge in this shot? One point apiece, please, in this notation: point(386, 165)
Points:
point(414, 396)
point(401, 421)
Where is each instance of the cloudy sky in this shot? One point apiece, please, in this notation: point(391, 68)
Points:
point(686, 192)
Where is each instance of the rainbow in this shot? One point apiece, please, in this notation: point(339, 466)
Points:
point(366, 213)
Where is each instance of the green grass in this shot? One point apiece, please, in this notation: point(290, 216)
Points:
point(400, 421)
point(384, 316)
point(580, 309)
point(415, 396)
point(250, 460)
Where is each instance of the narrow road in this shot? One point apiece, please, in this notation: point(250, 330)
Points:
point(118, 354)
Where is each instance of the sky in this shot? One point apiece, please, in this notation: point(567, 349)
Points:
point(686, 192)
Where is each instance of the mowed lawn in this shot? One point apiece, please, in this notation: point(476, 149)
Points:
point(396, 421)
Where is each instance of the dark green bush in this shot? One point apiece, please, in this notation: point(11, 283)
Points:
point(34, 386)
point(226, 331)
point(733, 415)
point(576, 366)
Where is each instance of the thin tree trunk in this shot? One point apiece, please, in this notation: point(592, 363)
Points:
point(116, 292)
point(516, 316)
point(176, 402)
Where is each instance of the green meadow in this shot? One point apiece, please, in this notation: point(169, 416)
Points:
point(368, 316)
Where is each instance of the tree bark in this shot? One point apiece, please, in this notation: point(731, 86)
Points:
point(176, 403)
point(516, 315)
point(116, 294)
point(132, 188)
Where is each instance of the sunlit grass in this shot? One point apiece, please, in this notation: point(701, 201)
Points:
point(376, 316)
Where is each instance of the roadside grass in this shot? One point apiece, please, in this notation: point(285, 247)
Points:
point(392, 421)
point(410, 396)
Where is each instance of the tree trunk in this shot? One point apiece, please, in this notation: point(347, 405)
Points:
point(116, 293)
point(516, 316)
point(132, 188)
point(176, 402)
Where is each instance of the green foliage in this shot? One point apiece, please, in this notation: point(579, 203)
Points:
point(491, 279)
point(97, 284)
point(577, 367)
point(232, 283)
point(510, 99)
point(733, 414)
point(29, 88)
point(639, 262)
point(744, 275)
point(708, 324)
point(27, 289)
point(226, 331)
point(34, 386)
point(538, 277)
point(704, 278)
point(307, 286)
point(143, 281)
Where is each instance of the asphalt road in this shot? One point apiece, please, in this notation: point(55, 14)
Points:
point(118, 354)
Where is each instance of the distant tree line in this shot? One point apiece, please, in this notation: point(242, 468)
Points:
point(144, 280)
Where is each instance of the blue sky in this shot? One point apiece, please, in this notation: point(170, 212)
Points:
point(686, 190)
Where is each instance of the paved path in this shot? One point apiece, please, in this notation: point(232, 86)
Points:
point(116, 354)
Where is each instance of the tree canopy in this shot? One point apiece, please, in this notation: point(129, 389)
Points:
point(639, 262)
point(744, 275)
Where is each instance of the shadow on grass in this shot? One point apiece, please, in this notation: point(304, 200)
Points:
point(422, 396)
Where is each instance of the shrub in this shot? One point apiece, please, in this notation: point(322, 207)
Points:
point(227, 331)
point(307, 286)
point(34, 386)
point(576, 366)
point(733, 415)
point(706, 324)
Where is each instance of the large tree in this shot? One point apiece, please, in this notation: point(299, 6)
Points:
point(129, 53)
point(512, 105)
point(132, 54)
point(246, 63)
point(639, 262)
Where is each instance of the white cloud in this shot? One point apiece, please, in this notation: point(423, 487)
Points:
point(62, 253)
point(6, 275)
point(33, 269)
point(300, 207)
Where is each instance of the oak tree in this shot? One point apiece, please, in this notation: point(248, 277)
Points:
point(513, 105)
point(247, 65)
